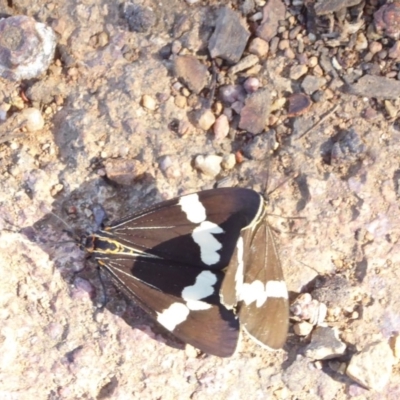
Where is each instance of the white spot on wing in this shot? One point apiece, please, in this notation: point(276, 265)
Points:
point(192, 207)
point(175, 314)
point(202, 288)
point(256, 291)
point(240, 267)
point(209, 245)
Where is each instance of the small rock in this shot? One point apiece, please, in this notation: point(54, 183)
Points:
point(390, 109)
point(387, 20)
point(124, 172)
point(230, 36)
point(323, 7)
point(297, 71)
point(325, 344)
point(312, 83)
point(251, 84)
point(228, 162)
point(254, 114)
point(33, 119)
point(221, 127)
point(361, 42)
point(307, 308)
point(231, 93)
point(192, 72)
point(394, 51)
point(372, 367)
point(299, 103)
point(180, 101)
point(209, 165)
point(245, 63)
point(148, 102)
point(26, 47)
point(376, 86)
point(258, 148)
point(204, 119)
point(259, 47)
point(273, 12)
point(56, 189)
point(303, 328)
point(375, 47)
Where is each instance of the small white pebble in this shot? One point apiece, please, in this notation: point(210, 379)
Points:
point(209, 165)
point(33, 119)
point(148, 102)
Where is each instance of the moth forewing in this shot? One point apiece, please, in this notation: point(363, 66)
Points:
point(254, 285)
point(264, 307)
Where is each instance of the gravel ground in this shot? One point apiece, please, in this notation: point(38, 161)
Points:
point(116, 106)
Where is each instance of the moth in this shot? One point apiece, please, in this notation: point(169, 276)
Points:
point(203, 265)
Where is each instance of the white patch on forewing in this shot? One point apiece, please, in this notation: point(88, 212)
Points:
point(209, 245)
point(196, 305)
point(192, 207)
point(175, 314)
point(256, 291)
point(240, 267)
point(202, 288)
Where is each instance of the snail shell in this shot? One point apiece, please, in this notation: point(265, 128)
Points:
point(26, 47)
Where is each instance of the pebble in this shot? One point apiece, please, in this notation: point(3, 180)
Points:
point(297, 71)
point(302, 328)
point(231, 93)
point(255, 112)
point(124, 171)
point(33, 119)
point(312, 83)
point(245, 63)
point(180, 101)
point(299, 103)
point(259, 47)
point(387, 20)
point(361, 42)
point(372, 367)
point(325, 344)
point(26, 48)
point(210, 165)
point(273, 12)
point(251, 84)
point(228, 161)
point(394, 51)
point(376, 86)
point(230, 36)
point(148, 102)
point(324, 7)
point(375, 47)
point(390, 109)
point(204, 119)
point(192, 72)
point(221, 127)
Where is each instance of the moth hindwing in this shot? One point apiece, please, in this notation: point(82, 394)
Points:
point(171, 259)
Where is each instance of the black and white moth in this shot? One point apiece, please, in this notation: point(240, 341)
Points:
point(202, 265)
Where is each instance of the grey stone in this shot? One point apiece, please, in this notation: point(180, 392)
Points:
point(229, 38)
point(329, 6)
point(273, 12)
point(378, 87)
point(192, 72)
point(255, 112)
